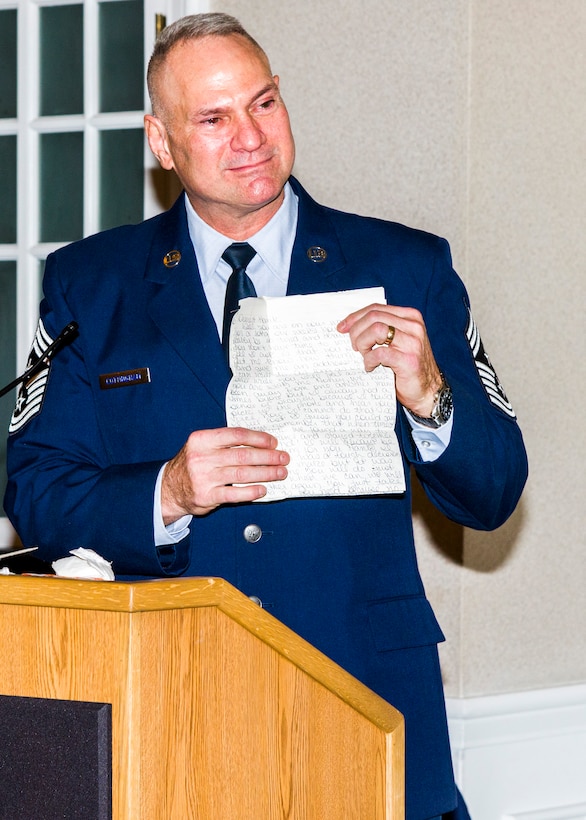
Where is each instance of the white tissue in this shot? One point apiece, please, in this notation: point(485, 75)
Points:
point(84, 564)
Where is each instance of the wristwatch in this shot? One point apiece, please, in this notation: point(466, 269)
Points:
point(443, 404)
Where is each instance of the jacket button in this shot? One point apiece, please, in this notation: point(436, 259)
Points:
point(255, 600)
point(252, 533)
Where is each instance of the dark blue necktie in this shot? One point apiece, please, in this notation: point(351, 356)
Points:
point(239, 286)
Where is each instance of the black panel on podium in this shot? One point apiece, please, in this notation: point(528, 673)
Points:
point(55, 759)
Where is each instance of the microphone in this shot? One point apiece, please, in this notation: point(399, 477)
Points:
point(67, 335)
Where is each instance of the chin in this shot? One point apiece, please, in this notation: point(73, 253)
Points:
point(264, 191)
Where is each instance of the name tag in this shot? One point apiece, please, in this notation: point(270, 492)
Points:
point(125, 378)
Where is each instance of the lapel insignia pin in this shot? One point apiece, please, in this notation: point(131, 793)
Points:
point(172, 259)
point(316, 254)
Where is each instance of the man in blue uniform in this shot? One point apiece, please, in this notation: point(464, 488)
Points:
point(120, 444)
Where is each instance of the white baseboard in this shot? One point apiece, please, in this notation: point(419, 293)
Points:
point(521, 756)
point(559, 813)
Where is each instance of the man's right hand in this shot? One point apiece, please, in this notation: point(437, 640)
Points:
point(207, 470)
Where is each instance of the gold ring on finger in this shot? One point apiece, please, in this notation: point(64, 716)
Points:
point(390, 336)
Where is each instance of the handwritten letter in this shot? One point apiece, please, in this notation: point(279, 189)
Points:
point(297, 377)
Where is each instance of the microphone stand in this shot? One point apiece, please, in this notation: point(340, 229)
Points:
point(66, 336)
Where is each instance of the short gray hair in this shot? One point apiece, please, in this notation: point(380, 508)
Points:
point(192, 27)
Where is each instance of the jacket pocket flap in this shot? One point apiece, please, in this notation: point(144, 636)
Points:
point(401, 623)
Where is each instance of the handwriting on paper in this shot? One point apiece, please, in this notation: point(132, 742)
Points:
point(297, 377)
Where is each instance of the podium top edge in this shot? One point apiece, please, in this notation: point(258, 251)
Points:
point(189, 593)
point(111, 596)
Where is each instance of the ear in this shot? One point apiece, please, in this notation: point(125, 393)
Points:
point(156, 134)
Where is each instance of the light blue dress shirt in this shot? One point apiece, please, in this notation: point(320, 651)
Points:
point(269, 269)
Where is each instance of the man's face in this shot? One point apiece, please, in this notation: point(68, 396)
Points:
point(225, 130)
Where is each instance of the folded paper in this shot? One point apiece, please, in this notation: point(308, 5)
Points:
point(297, 377)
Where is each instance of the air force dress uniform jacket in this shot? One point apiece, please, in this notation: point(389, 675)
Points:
point(83, 457)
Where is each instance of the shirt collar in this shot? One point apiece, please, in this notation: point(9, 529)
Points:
point(273, 243)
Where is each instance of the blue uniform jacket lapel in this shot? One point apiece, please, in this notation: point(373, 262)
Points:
point(317, 263)
point(179, 306)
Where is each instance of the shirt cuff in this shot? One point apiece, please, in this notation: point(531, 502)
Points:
point(173, 533)
point(431, 442)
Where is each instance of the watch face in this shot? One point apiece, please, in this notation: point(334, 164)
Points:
point(445, 404)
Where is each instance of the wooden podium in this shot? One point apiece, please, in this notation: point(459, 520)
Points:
point(218, 711)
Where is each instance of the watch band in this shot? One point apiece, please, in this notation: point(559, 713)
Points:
point(443, 404)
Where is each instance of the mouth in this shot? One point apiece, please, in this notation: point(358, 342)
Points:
point(251, 166)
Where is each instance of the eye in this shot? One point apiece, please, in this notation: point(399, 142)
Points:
point(266, 105)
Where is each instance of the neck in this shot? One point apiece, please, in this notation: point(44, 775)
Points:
point(238, 226)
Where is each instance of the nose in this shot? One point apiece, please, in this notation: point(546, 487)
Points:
point(248, 136)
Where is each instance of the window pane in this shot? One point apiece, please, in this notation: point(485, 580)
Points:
point(7, 357)
point(61, 182)
point(8, 37)
point(61, 62)
point(121, 56)
point(121, 177)
point(8, 189)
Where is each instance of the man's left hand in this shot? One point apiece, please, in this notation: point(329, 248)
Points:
point(409, 354)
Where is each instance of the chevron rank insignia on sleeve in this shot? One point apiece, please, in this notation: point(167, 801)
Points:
point(486, 372)
point(29, 398)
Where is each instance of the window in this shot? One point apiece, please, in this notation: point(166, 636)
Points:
point(73, 158)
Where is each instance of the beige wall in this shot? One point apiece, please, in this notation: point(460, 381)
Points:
point(468, 119)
